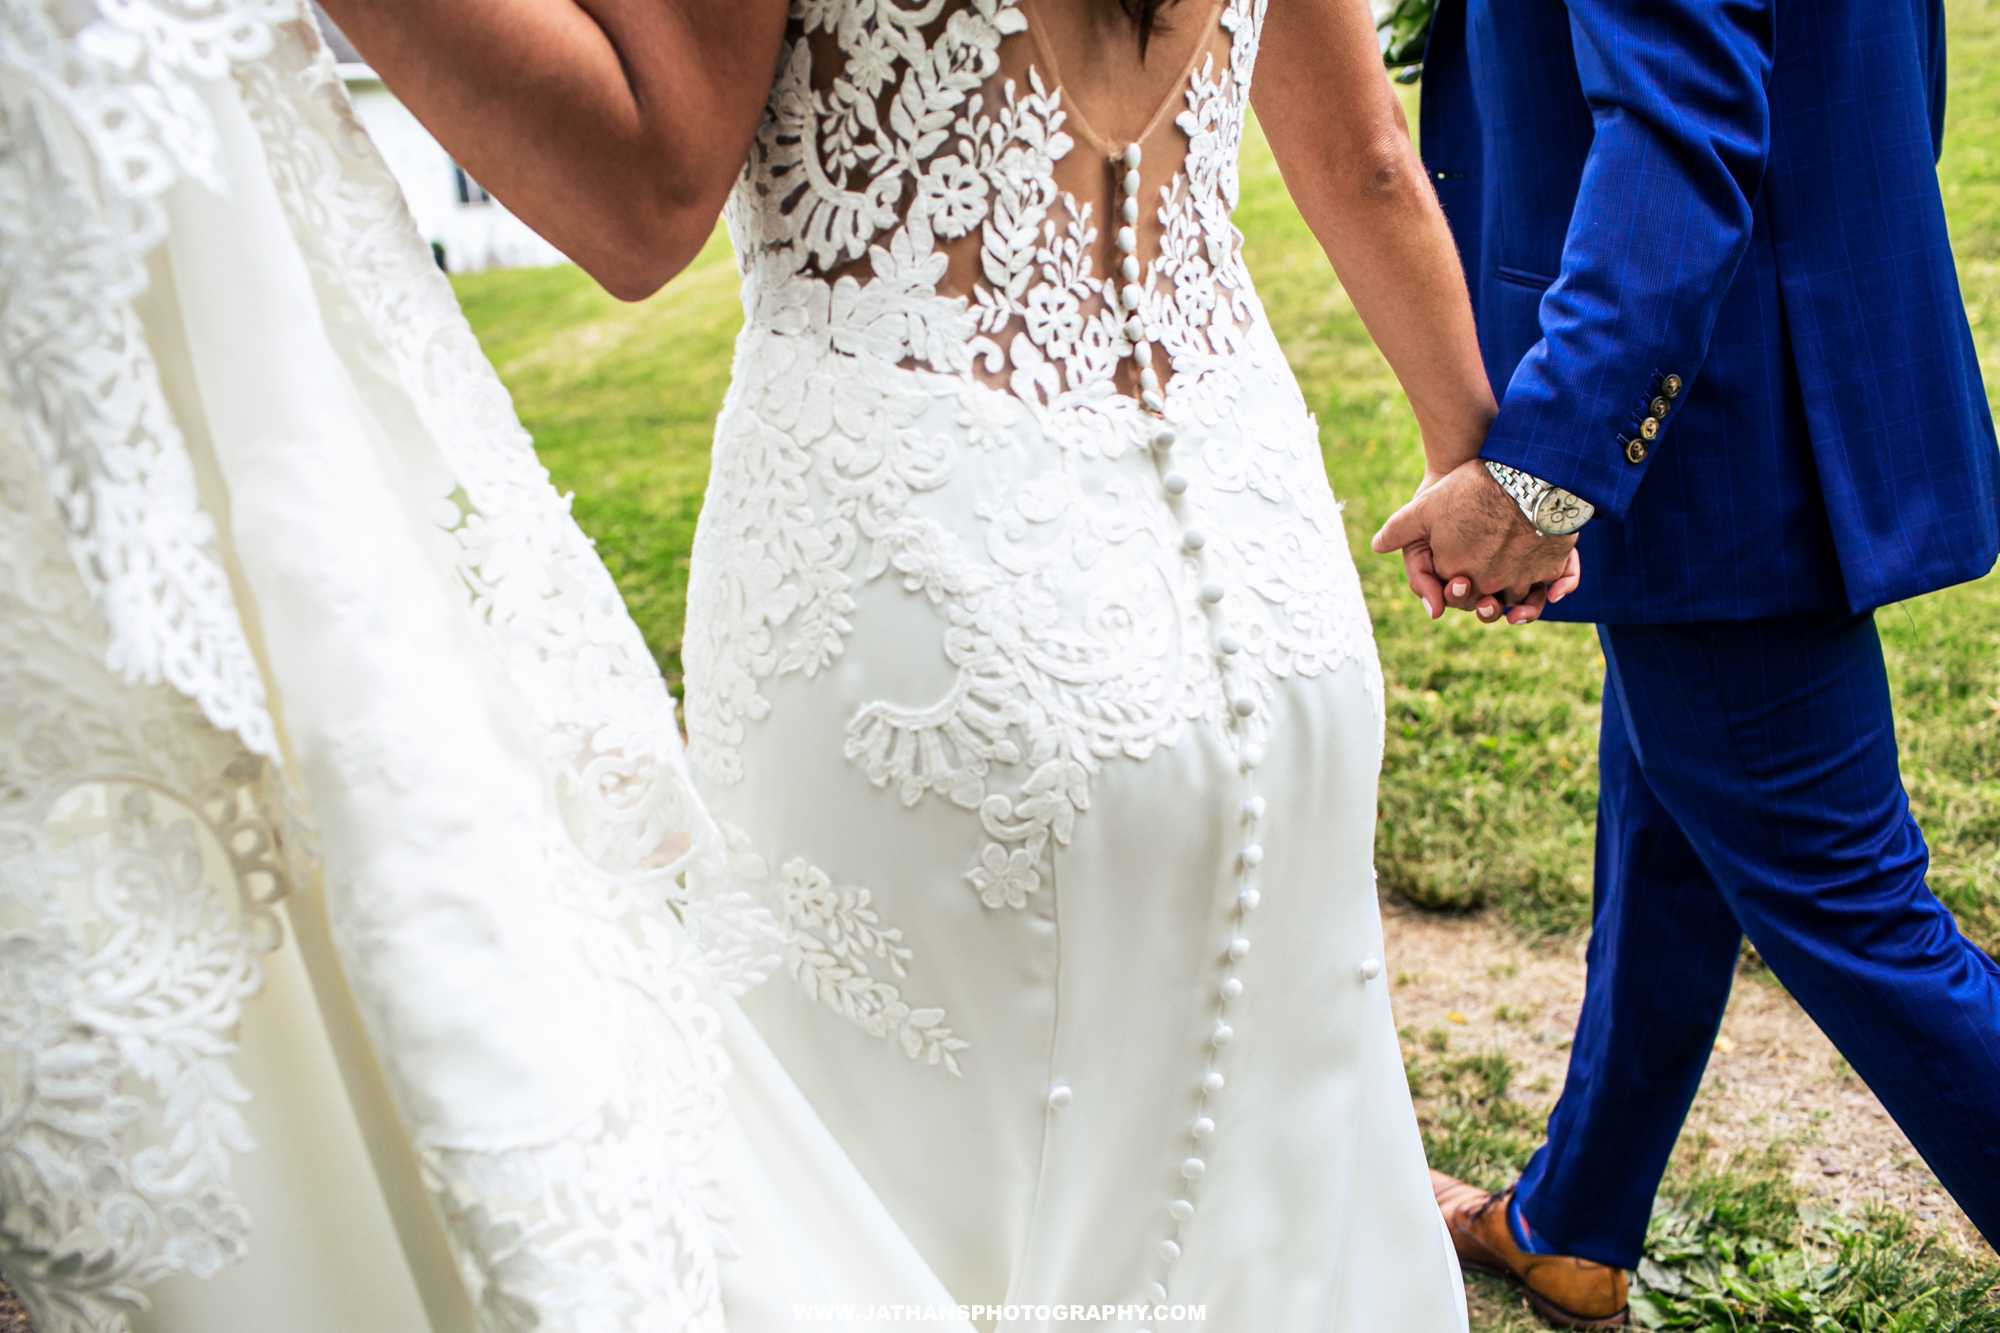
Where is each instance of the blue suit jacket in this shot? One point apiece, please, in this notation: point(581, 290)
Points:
point(1737, 198)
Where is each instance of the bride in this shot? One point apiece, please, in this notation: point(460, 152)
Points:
point(1033, 714)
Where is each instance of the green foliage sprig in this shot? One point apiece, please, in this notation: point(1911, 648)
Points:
point(1405, 26)
point(1737, 1250)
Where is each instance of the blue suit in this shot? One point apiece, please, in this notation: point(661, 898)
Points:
point(1715, 294)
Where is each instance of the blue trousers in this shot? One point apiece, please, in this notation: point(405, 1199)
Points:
point(1749, 787)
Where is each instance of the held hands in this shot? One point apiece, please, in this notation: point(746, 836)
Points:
point(1466, 545)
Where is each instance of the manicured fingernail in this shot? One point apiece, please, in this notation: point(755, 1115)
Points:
point(1430, 610)
point(1458, 588)
point(1486, 613)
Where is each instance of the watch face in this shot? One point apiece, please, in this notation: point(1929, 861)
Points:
point(1559, 513)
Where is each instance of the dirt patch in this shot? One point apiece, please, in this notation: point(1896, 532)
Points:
point(1773, 1076)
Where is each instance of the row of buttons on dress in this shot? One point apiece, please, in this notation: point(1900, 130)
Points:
point(1131, 295)
point(1243, 710)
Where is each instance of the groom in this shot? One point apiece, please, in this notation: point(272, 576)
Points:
point(1714, 290)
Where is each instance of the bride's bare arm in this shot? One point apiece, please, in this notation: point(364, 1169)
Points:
point(615, 128)
point(1344, 148)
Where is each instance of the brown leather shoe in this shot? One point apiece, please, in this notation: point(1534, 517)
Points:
point(1569, 1293)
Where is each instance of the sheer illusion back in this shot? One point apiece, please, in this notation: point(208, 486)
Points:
point(1069, 240)
point(981, 301)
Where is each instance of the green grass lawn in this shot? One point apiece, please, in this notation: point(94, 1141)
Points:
point(1489, 783)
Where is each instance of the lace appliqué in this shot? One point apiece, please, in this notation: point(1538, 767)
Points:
point(867, 399)
point(835, 932)
point(139, 863)
point(72, 355)
point(535, 584)
point(618, 1222)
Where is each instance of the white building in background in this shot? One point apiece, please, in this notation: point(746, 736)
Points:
point(469, 229)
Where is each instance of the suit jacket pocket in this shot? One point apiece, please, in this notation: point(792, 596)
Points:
point(1521, 277)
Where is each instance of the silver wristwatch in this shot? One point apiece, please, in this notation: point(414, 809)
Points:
point(1551, 510)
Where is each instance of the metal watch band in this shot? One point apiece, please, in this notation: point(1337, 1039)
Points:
point(1526, 490)
point(1550, 510)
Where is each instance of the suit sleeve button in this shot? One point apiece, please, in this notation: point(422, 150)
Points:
point(1649, 429)
point(1635, 451)
point(1659, 407)
point(1671, 386)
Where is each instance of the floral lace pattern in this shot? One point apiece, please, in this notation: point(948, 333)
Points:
point(139, 863)
point(139, 852)
point(71, 259)
point(834, 934)
point(874, 408)
point(616, 1222)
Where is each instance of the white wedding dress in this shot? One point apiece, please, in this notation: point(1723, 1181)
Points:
point(1002, 949)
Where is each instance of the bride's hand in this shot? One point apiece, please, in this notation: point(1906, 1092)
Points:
point(1464, 530)
point(1419, 568)
point(1489, 609)
point(1420, 572)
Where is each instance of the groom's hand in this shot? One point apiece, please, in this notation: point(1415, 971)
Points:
point(1466, 544)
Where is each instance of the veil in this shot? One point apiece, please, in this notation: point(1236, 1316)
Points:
point(297, 642)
